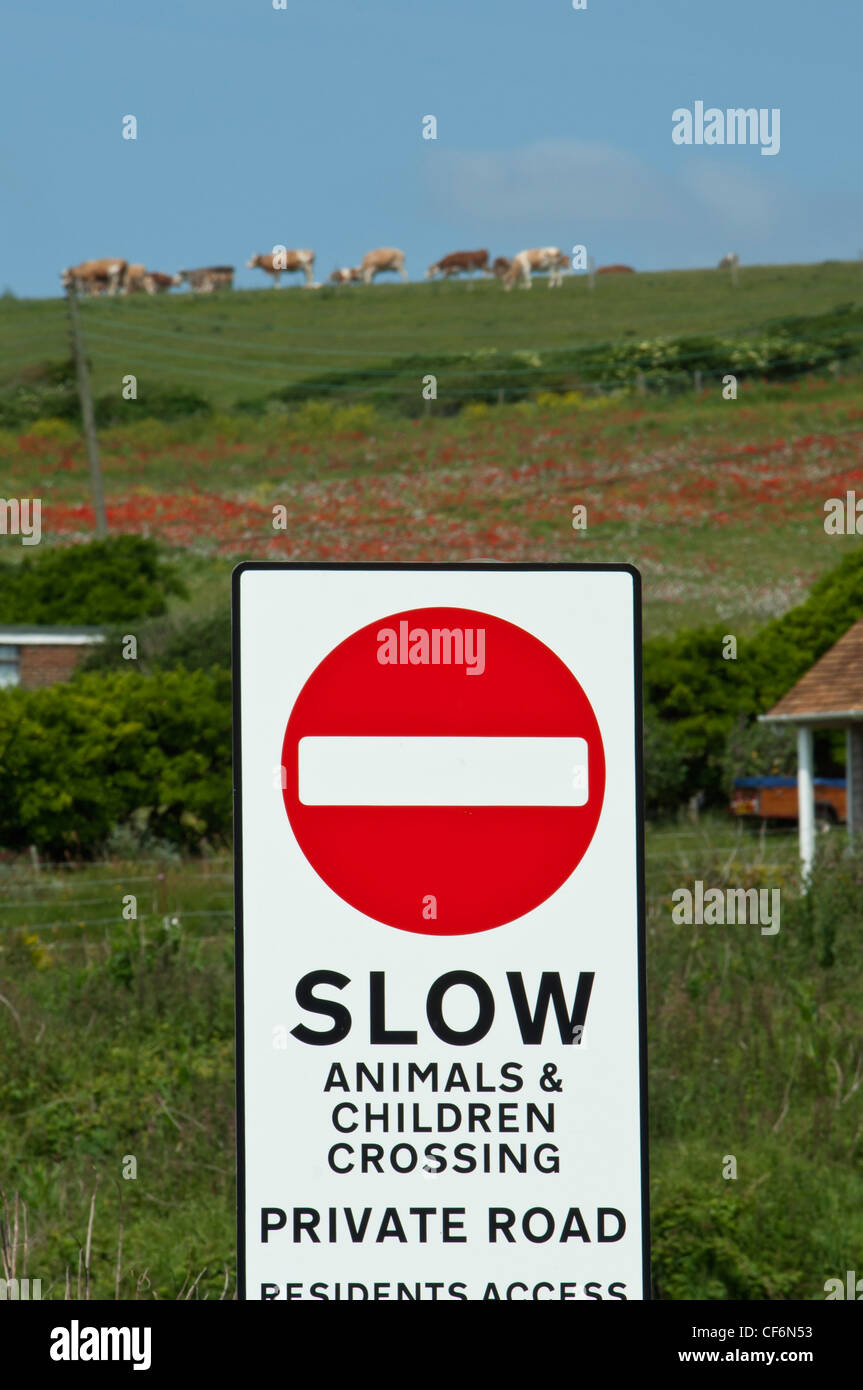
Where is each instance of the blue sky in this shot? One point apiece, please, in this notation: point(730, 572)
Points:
point(303, 127)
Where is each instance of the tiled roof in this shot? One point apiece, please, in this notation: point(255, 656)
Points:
point(833, 686)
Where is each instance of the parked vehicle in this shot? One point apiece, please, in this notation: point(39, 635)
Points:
point(775, 798)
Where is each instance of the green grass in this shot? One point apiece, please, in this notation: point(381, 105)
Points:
point(249, 342)
point(116, 1040)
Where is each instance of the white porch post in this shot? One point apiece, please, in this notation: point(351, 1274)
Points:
point(805, 799)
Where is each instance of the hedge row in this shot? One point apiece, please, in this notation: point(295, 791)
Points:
point(789, 349)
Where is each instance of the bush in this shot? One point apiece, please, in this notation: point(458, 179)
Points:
point(702, 699)
point(197, 644)
point(160, 403)
point(664, 769)
point(758, 750)
point(110, 581)
point(107, 750)
point(63, 431)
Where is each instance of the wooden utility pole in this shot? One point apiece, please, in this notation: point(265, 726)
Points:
point(86, 398)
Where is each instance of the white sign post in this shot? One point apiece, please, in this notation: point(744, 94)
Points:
point(440, 933)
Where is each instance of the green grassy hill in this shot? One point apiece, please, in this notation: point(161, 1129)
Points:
point(251, 342)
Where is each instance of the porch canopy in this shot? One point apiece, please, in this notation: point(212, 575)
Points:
point(829, 695)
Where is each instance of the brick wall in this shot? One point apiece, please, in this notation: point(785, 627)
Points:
point(44, 665)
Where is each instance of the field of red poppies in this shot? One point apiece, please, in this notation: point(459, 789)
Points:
point(719, 503)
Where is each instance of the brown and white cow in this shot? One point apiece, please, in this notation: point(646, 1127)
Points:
point(156, 282)
point(549, 258)
point(729, 262)
point(458, 263)
point(94, 277)
point(346, 275)
point(135, 278)
point(283, 259)
point(384, 258)
point(500, 265)
point(208, 278)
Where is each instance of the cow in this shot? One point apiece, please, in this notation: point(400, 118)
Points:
point(348, 275)
point(500, 266)
point(135, 279)
point(615, 270)
point(156, 282)
point(457, 262)
point(384, 258)
point(92, 277)
point(549, 258)
point(729, 262)
point(285, 260)
point(208, 278)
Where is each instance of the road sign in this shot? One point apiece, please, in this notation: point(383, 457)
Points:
point(440, 933)
point(455, 747)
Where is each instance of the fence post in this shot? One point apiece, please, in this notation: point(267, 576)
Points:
point(87, 417)
point(698, 381)
point(640, 384)
point(501, 394)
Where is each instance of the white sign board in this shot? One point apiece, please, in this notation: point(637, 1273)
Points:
point(441, 1070)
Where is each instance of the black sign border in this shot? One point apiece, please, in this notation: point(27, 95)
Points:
point(466, 566)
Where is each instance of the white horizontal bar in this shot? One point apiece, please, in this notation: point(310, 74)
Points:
point(428, 771)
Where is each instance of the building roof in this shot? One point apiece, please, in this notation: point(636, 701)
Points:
point(13, 635)
point(831, 691)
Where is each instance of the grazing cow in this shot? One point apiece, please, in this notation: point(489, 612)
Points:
point(284, 260)
point(500, 266)
point(92, 277)
point(549, 258)
point(385, 258)
point(156, 282)
point(457, 262)
point(348, 275)
point(208, 278)
point(615, 270)
point(136, 276)
point(729, 262)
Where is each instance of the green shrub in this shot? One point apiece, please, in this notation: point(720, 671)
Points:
point(165, 643)
point(702, 699)
point(159, 403)
point(664, 769)
point(110, 581)
point(107, 749)
point(197, 644)
point(758, 750)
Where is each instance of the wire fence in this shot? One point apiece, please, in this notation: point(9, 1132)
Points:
point(181, 885)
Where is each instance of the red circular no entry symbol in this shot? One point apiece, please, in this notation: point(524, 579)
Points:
point(444, 771)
